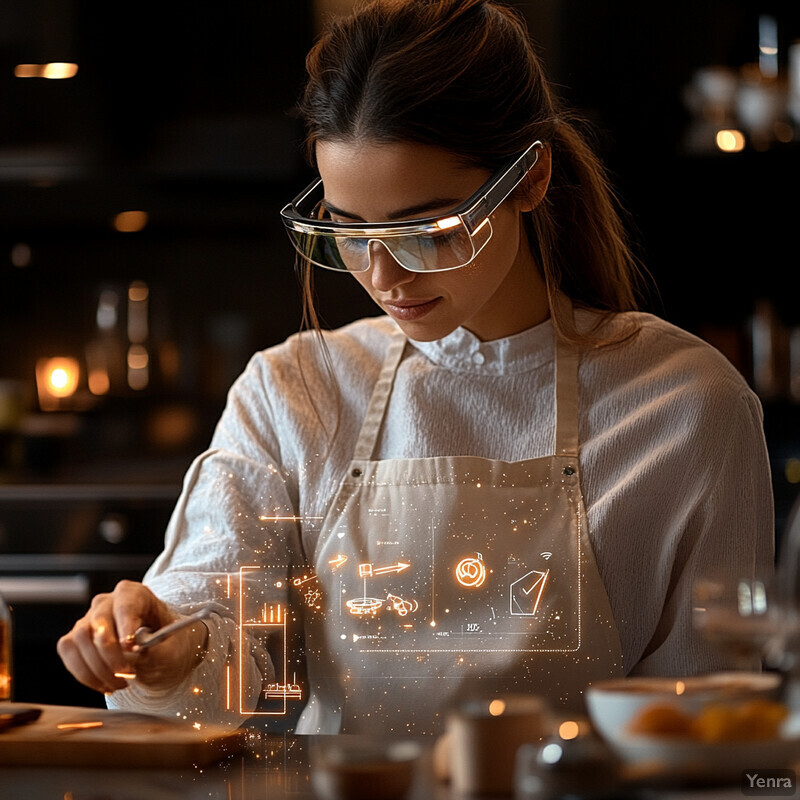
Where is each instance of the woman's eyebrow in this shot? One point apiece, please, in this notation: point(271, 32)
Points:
point(410, 211)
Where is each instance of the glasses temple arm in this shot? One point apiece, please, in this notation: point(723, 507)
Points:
point(503, 187)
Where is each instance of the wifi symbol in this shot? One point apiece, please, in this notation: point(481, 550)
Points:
point(546, 556)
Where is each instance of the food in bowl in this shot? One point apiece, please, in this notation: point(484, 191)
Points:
point(749, 720)
point(669, 706)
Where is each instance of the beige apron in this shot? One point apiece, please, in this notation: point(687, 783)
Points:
point(448, 577)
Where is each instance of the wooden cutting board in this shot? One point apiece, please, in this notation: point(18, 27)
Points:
point(122, 739)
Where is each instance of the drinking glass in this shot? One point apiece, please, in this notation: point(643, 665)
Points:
point(744, 617)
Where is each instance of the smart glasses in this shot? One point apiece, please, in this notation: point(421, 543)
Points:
point(428, 244)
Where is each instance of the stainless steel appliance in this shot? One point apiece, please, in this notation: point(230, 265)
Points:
point(59, 546)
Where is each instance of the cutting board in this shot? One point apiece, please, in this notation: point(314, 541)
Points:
point(123, 739)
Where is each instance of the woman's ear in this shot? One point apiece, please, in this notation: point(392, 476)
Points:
point(534, 187)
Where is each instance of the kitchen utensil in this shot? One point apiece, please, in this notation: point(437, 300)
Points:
point(145, 637)
point(12, 715)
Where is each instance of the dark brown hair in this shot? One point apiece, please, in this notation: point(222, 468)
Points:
point(463, 75)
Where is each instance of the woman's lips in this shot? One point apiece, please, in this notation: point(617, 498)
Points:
point(410, 310)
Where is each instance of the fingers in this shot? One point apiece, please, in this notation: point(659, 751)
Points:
point(97, 651)
point(134, 606)
point(93, 657)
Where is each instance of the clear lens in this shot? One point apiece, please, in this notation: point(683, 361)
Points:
point(445, 249)
point(319, 249)
point(448, 248)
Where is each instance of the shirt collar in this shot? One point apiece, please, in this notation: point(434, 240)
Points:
point(462, 351)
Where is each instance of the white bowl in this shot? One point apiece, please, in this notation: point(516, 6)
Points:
point(614, 704)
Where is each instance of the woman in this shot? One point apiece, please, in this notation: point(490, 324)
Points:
point(509, 482)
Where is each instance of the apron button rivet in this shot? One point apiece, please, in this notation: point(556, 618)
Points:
point(356, 473)
point(569, 470)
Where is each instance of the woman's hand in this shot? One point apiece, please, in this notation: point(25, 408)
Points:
point(99, 650)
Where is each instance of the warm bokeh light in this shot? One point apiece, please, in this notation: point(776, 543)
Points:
point(55, 70)
point(59, 70)
point(61, 376)
point(98, 377)
point(130, 221)
point(56, 380)
point(137, 357)
point(792, 470)
point(497, 707)
point(138, 292)
point(730, 141)
point(569, 729)
point(99, 382)
point(138, 367)
point(59, 381)
point(172, 426)
point(138, 328)
point(28, 70)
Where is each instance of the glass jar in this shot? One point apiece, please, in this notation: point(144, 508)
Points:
point(5, 652)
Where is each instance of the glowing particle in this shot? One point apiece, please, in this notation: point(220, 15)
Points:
point(66, 726)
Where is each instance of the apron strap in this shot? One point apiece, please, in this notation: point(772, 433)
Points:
point(365, 446)
point(566, 388)
point(565, 395)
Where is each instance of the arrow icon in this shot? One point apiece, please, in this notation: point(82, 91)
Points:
point(398, 567)
point(338, 561)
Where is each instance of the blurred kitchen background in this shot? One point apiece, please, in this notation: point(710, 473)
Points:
point(145, 150)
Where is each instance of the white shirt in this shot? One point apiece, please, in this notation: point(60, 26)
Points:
point(674, 470)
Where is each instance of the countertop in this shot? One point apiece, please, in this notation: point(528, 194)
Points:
point(272, 767)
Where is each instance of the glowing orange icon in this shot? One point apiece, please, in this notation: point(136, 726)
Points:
point(402, 607)
point(338, 561)
point(367, 570)
point(283, 691)
point(471, 572)
point(364, 606)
